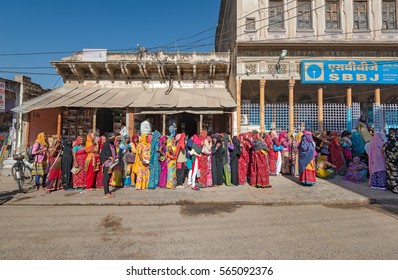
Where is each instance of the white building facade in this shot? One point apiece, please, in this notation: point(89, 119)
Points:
point(350, 40)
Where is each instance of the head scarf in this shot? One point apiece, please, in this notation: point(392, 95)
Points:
point(306, 151)
point(237, 150)
point(143, 139)
point(268, 140)
point(123, 144)
point(273, 134)
point(282, 135)
point(135, 136)
point(41, 139)
point(161, 140)
point(196, 140)
point(76, 143)
point(299, 136)
point(203, 135)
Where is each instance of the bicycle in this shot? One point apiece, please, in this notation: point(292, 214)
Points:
point(21, 172)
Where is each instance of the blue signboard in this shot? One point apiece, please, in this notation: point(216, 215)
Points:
point(349, 72)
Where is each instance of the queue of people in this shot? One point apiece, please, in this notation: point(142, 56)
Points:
point(153, 160)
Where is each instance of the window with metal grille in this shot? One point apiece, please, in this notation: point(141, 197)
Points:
point(332, 15)
point(389, 14)
point(360, 15)
point(250, 24)
point(304, 17)
point(275, 17)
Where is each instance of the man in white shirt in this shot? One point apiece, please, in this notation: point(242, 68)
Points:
point(145, 127)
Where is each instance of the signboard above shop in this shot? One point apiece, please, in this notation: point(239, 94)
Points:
point(94, 55)
point(349, 72)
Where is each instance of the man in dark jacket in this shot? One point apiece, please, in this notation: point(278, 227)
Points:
point(107, 157)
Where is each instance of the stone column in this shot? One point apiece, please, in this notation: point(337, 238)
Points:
point(238, 103)
point(262, 105)
point(320, 107)
point(130, 121)
point(349, 112)
point(291, 105)
point(377, 96)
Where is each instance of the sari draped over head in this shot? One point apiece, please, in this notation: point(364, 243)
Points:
point(299, 135)
point(226, 154)
point(90, 146)
point(306, 151)
point(282, 136)
point(376, 157)
point(123, 144)
point(203, 135)
point(358, 145)
point(41, 139)
point(363, 130)
point(154, 164)
point(135, 136)
point(180, 138)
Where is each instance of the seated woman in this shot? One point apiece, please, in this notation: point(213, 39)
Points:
point(325, 169)
point(357, 171)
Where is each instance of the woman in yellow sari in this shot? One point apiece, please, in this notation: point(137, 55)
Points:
point(141, 165)
point(171, 164)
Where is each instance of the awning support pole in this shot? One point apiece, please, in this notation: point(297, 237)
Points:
point(95, 120)
point(130, 121)
point(200, 123)
point(164, 125)
point(59, 123)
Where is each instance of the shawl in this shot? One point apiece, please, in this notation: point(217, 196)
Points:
point(268, 140)
point(363, 129)
point(154, 164)
point(358, 145)
point(376, 157)
point(90, 146)
point(180, 138)
point(237, 150)
point(226, 141)
point(41, 139)
point(306, 151)
point(391, 150)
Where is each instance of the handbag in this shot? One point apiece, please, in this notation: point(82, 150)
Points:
point(130, 157)
point(76, 170)
point(278, 148)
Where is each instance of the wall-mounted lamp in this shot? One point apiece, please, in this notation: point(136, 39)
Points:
point(281, 57)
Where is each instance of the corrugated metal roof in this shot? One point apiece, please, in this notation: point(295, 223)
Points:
point(97, 97)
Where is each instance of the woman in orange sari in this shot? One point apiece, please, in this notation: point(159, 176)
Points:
point(92, 163)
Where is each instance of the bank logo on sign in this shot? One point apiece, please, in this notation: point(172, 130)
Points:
point(314, 71)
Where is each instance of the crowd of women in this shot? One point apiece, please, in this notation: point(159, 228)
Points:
point(152, 161)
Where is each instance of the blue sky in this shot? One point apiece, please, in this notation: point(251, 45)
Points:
point(70, 25)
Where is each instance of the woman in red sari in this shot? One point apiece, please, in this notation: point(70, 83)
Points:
point(79, 161)
point(55, 169)
point(92, 164)
point(259, 166)
point(336, 156)
point(244, 158)
point(271, 154)
point(205, 161)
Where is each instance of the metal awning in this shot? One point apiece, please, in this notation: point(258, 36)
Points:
point(185, 98)
point(179, 100)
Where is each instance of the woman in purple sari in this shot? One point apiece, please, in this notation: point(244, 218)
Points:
point(163, 161)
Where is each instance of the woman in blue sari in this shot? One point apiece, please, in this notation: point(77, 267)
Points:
point(154, 164)
point(307, 171)
point(358, 145)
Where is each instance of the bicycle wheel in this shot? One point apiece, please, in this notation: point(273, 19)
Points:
point(27, 171)
point(20, 179)
point(14, 172)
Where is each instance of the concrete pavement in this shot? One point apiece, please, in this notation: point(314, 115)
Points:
point(285, 191)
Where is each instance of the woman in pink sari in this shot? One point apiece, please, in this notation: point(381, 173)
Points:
point(244, 159)
point(79, 161)
point(377, 162)
point(163, 161)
